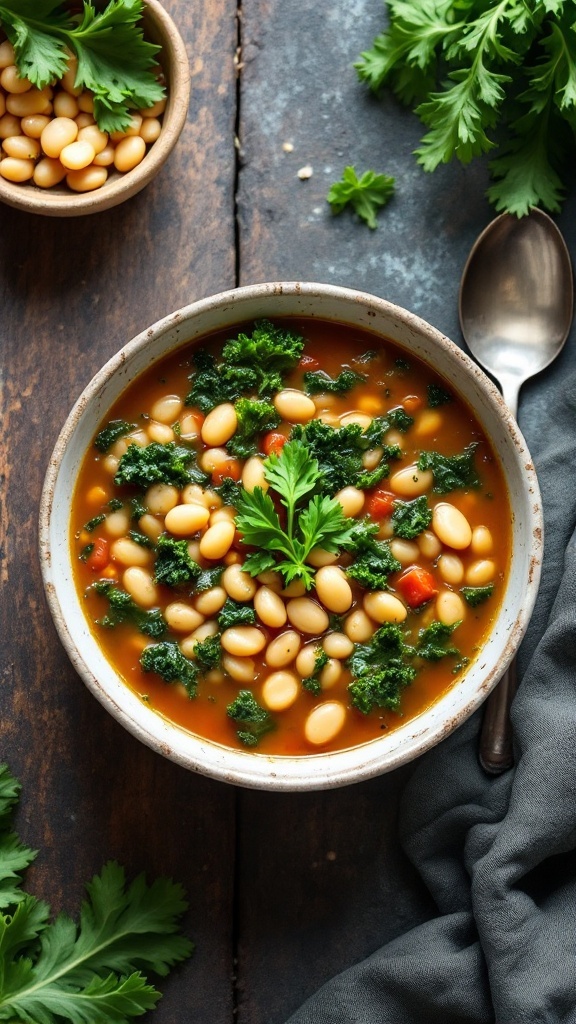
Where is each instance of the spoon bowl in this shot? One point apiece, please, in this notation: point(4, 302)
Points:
point(516, 299)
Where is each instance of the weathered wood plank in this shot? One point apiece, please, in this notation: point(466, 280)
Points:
point(71, 293)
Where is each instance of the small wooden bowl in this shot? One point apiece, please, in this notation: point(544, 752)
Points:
point(60, 201)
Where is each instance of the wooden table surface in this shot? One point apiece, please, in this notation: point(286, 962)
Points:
point(285, 890)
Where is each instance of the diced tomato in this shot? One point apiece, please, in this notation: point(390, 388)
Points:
point(273, 443)
point(308, 363)
point(230, 468)
point(417, 586)
point(411, 403)
point(99, 556)
point(380, 503)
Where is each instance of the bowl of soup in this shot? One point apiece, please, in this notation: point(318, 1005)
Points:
point(290, 536)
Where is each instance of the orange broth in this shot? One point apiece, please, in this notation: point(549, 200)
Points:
point(330, 347)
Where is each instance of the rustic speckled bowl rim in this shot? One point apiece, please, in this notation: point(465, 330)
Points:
point(252, 769)
point(57, 202)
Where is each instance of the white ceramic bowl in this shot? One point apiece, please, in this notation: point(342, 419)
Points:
point(323, 770)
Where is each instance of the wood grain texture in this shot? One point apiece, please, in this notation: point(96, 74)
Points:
point(71, 293)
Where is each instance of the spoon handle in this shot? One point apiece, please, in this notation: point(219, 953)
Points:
point(495, 751)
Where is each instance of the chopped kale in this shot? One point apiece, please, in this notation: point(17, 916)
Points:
point(432, 641)
point(86, 552)
point(208, 652)
point(381, 670)
point(312, 682)
point(373, 567)
point(410, 518)
point(137, 508)
point(168, 662)
point(339, 451)
point(397, 419)
point(115, 504)
point(91, 525)
point(366, 357)
point(402, 364)
point(111, 433)
point(122, 608)
point(254, 418)
point(235, 614)
point(174, 564)
point(156, 463)
point(229, 491)
point(254, 720)
point(476, 595)
point(437, 395)
point(317, 381)
point(251, 365)
point(451, 471)
point(208, 578)
point(141, 539)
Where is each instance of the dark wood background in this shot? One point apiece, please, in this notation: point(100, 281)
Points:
point(284, 890)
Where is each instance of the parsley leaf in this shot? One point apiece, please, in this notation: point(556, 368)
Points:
point(293, 475)
point(92, 971)
point(366, 194)
point(114, 60)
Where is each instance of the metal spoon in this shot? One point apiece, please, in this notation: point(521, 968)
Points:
point(516, 306)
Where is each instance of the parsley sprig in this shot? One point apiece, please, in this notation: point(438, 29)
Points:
point(88, 972)
point(365, 194)
point(114, 60)
point(316, 522)
point(494, 77)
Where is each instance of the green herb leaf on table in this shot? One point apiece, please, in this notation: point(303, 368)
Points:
point(114, 60)
point(365, 194)
point(481, 77)
point(89, 972)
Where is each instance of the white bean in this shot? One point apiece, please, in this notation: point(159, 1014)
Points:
point(189, 426)
point(209, 602)
point(480, 572)
point(226, 514)
point(429, 545)
point(150, 526)
point(359, 627)
point(280, 690)
point(181, 617)
point(333, 589)
point(352, 500)
point(160, 498)
point(270, 608)
point(411, 482)
point(240, 586)
point(294, 589)
point(167, 409)
point(319, 557)
point(160, 432)
point(220, 425)
point(243, 641)
point(450, 607)
point(427, 423)
point(294, 406)
point(283, 649)
point(213, 459)
point(361, 419)
point(482, 542)
point(324, 722)
point(451, 526)
point(451, 568)
point(306, 615)
point(242, 670)
point(217, 540)
point(382, 606)
point(330, 674)
point(141, 587)
point(117, 523)
point(405, 551)
point(128, 552)
point(306, 660)
point(253, 474)
point(183, 520)
point(337, 645)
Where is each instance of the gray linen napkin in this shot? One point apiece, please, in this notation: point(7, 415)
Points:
point(497, 854)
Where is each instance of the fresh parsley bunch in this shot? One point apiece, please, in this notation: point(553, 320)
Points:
point(487, 76)
point(86, 973)
point(114, 60)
